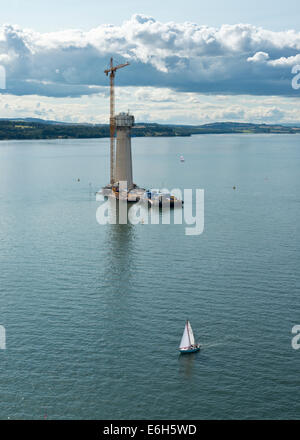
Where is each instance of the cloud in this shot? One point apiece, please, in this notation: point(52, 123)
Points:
point(150, 104)
point(259, 57)
point(286, 61)
point(186, 57)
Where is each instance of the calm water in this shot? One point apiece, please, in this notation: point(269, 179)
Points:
point(94, 314)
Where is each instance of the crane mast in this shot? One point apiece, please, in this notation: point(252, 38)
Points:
point(112, 73)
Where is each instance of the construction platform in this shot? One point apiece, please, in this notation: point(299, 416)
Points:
point(137, 194)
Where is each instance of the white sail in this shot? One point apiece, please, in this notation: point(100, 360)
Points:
point(185, 341)
point(187, 337)
point(192, 338)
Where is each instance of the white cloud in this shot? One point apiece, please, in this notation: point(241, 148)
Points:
point(179, 72)
point(259, 57)
point(285, 61)
point(146, 105)
point(232, 59)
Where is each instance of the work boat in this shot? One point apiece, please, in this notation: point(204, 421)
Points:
point(161, 199)
point(187, 344)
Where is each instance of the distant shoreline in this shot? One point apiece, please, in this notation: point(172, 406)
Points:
point(32, 129)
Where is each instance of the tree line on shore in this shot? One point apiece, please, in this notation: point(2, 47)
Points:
point(23, 129)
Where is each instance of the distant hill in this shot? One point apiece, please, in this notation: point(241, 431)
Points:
point(32, 128)
point(36, 120)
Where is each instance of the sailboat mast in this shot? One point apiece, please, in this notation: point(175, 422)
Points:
point(187, 327)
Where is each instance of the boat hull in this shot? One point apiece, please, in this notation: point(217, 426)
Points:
point(169, 203)
point(189, 350)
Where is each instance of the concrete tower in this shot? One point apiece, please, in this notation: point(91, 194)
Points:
point(123, 162)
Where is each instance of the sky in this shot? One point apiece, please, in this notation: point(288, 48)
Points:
point(191, 62)
point(45, 16)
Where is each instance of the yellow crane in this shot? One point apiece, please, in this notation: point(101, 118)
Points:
point(112, 73)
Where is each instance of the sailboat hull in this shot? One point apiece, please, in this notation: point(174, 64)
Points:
point(189, 350)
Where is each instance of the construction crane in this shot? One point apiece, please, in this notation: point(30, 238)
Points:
point(112, 73)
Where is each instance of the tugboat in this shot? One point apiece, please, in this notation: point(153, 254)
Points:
point(188, 344)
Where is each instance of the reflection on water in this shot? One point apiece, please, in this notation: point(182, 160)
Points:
point(187, 364)
point(120, 252)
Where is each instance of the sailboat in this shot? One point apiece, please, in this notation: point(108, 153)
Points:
point(181, 159)
point(187, 344)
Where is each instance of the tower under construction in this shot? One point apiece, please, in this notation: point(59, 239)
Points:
point(121, 184)
point(120, 154)
point(123, 161)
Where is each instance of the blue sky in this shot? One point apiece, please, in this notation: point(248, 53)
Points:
point(43, 15)
point(191, 62)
